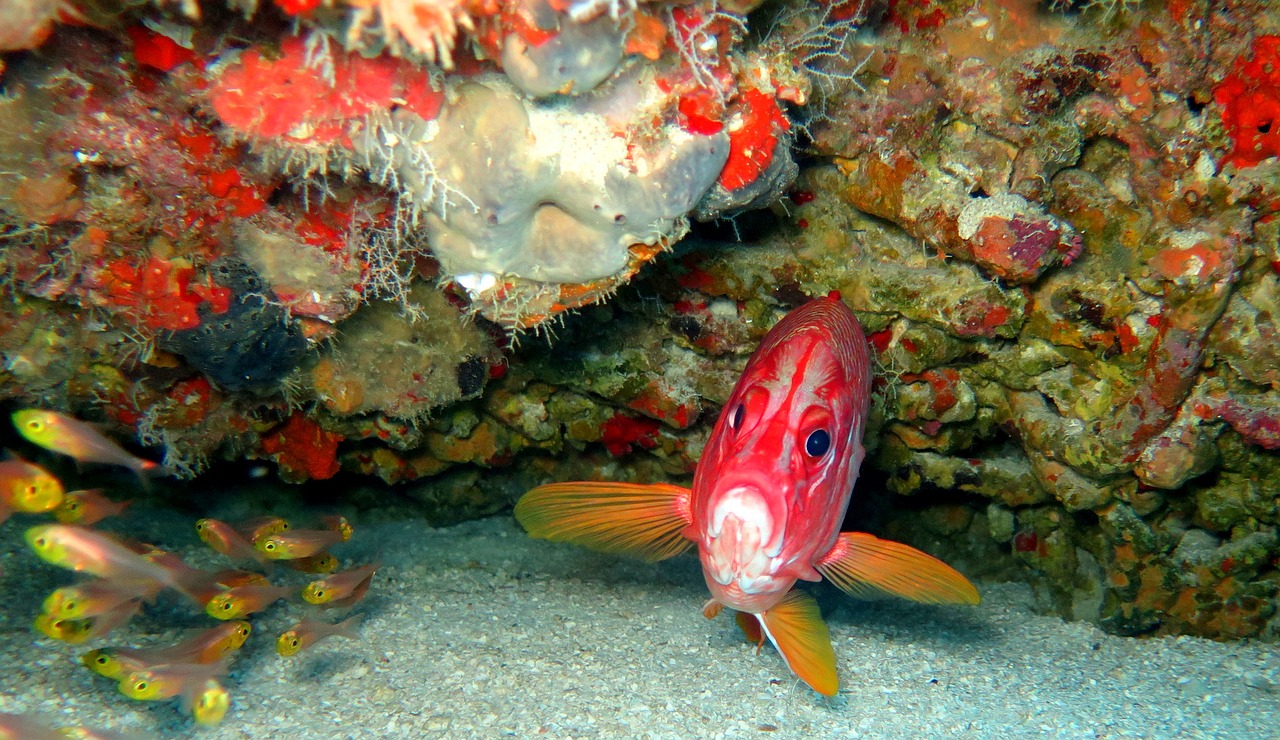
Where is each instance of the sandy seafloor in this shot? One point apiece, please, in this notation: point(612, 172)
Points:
point(477, 631)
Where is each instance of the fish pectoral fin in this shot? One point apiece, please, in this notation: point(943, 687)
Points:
point(796, 629)
point(866, 566)
point(750, 626)
point(644, 520)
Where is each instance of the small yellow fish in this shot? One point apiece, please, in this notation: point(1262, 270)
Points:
point(223, 539)
point(76, 631)
point(207, 647)
point(92, 598)
point(260, 526)
point(321, 563)
point(76, 439)
point(299, 543)
point(87, 551)
point(241, 600)
point(211, 645)
point(209, 705)
point(113, 663)
point(87, 507)
point(340, 586)
point(167, 680)
point(70, 631)
point(307, 633)
point(28, 488)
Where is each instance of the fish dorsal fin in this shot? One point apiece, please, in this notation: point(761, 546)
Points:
point(866, 566)
point(644, 520)
point(796, 629)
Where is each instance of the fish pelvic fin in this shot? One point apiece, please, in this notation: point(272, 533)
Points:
point(796, 629)
point(750, 627)
point(867, 566)
point(644, 520)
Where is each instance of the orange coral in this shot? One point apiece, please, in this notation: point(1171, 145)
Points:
point(303, 449)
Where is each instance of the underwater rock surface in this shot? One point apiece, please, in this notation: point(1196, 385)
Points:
point(1056, 221)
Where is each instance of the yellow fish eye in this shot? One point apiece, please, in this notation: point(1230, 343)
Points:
point(102, 660)
point(35, 425)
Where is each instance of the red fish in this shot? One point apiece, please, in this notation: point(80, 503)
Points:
point(768, 497)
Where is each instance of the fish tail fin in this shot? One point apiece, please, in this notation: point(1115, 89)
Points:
point(193, 583)
point(645, 520)
point(348, 627)
point(145, 470)
point(864, 565)
point(796, 629)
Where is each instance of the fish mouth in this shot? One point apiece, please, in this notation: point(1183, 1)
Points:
point(742, 538)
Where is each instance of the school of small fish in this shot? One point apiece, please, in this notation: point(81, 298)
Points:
point(125, 575)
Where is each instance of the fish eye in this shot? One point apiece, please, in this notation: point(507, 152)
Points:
point(269, 545)
point(140, 686)
point(735, 421)
point(102, 660)
point(41, 542)
point(226, 606)
point(818, 443)
point(35, 425)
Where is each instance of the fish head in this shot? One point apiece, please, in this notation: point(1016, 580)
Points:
point(275, 547)
point(211, 704)
point(226, 605)
point(289, 643)
point(36, 425)
point(240, 631)
point(104, 663)
point(142, 685)
point(31, 489)
point(46, 542)
point(773, 483)
point(317, 592)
